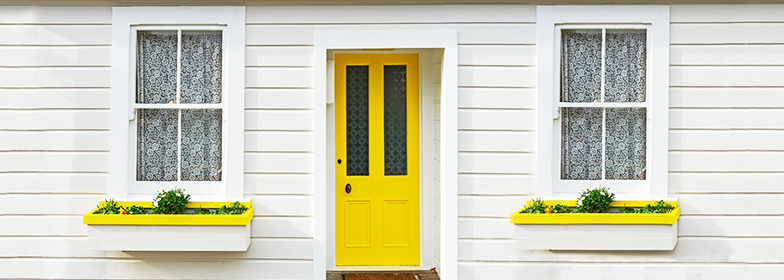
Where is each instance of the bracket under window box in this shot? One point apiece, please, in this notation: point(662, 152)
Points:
point(600, 231)
point(181, 232)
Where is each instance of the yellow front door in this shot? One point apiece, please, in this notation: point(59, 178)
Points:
point(377, 159)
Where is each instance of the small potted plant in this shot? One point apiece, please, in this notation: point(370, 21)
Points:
point(596, 221)
point(170, 222)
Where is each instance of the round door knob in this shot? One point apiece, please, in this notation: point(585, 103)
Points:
point(348, 188)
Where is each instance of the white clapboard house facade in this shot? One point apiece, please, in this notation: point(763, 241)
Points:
point(374, 135)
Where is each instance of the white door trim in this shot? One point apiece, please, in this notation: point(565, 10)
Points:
point(336, 40)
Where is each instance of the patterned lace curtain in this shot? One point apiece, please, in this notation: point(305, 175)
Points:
point(190, 137)
point(624, 136)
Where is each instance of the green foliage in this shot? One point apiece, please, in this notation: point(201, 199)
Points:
point(658, 207)
point(136, 210)
point(595, 200)
point(560, 208)
point(109, 207)
point(235, 208)
point(536, 207)
point(170, 201)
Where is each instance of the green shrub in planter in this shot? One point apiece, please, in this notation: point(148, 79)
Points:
point(109, 207)
point(595, 200)
point(170, 201)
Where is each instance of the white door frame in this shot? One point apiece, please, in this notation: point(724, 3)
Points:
point(379, 39)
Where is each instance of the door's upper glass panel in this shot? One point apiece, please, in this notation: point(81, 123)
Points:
point(395, 144)
point(357, 121)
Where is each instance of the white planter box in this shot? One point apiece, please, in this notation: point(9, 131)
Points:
point(168, 238)
point(601, 231)
point(169, 232)
point(597, 237)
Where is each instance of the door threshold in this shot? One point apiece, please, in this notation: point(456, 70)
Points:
point(419, 274)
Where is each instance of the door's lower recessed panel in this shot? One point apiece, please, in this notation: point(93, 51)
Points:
point(357, 223)
point(396, 223)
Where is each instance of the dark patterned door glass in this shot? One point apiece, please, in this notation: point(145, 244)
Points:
point(616, 136)
point(395, 144)
point(173, 141)
point(357, 121)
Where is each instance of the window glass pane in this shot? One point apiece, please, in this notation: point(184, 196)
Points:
point(581, 144)
point(156, 67)
point(395, 145)
point(625, 64)
point(201, 145)
point(357, 148)
point(202, 55)
point(625, 148)
point(157, 145)
point(581, 65)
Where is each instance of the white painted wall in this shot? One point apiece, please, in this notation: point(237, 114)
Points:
point(726, 112)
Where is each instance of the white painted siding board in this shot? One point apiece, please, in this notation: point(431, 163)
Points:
point(279, 77)
point(48, 204)
point(279, 120)
point(54, 98)
point(496, 141)
point(726, 76)
point(727, 97)
point(689, 249)
point(279, 162)
point(42, 226)
point(278, 141)
point(490, 206)
point(736, 140)
point(601, 271)
point(725, 183)
point(726, 161)
point(282, 205)
point(467, 33)
point(485, 228)
point(134, 269)
point(54, 15)
point(735, 33)
point(76, 247)
point(54, 140)
point(391, 14)
point(56, 35)
point(733, 226)
point(43, 183)
point(57, 77)
point(496, 184)
point(496, 119)
point(490, 76)
point(496, 163)
point(55, 162)
point(279, 99)
point(278, 184)
point(726, 119)
point(282, 227)
point(279, 56)
point(726, 13)
point(497, 55)
point(56, 56)
point(726, 55)
point(497, 98)
point(742, 204)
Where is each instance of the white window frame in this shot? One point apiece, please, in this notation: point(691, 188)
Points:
point(550, 21)
point(125, 23)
